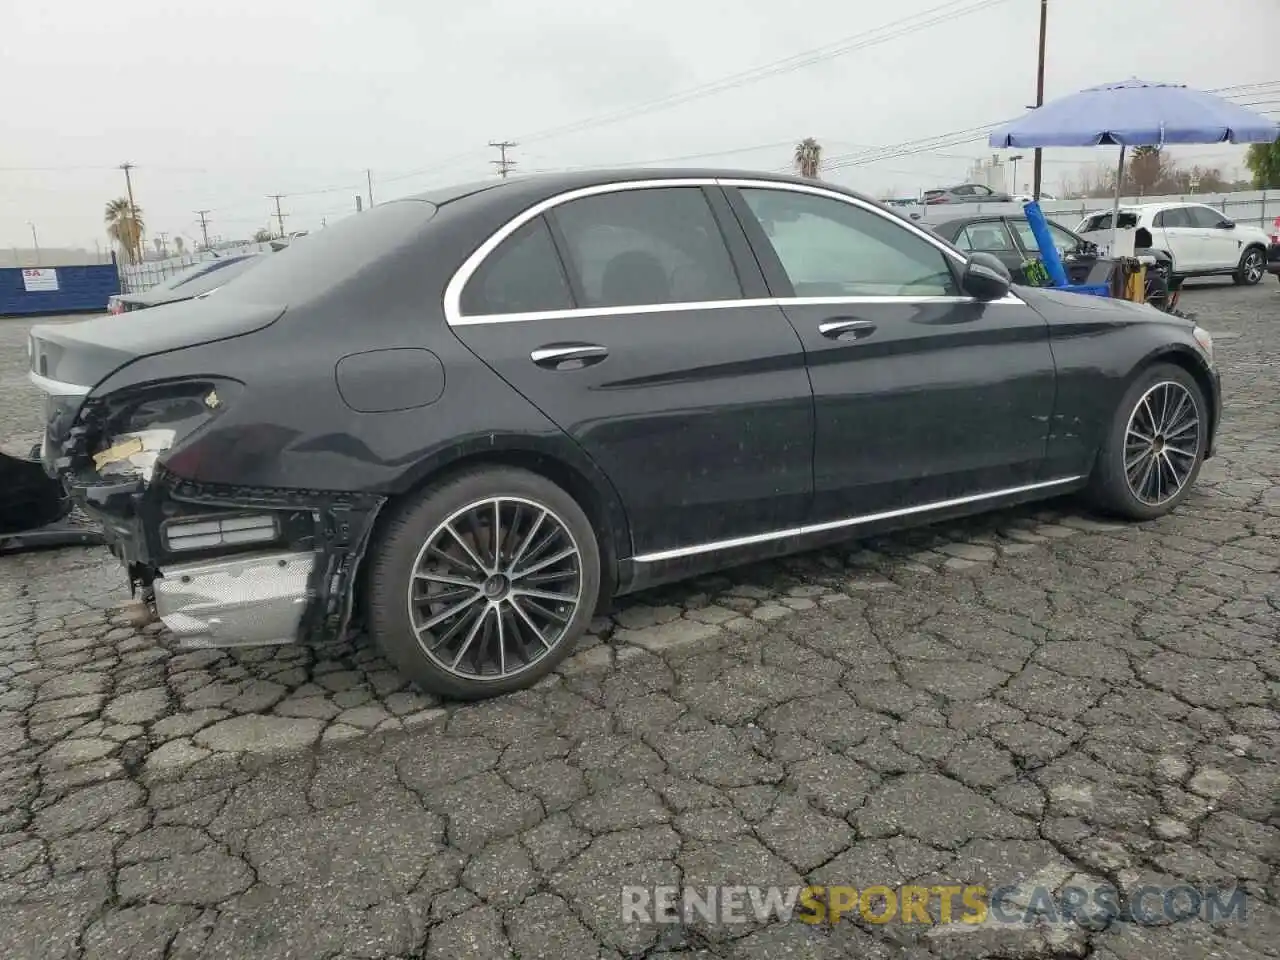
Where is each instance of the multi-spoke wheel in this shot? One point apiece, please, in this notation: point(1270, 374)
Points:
point(1253, 267)
point(498, 573)
point(1156, 445)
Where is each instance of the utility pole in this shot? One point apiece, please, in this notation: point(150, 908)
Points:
point(279, 216)
point(504, 165)
point(1038, 166)
point(133, 211)
point(204, 226)
point(35, 240)
point(164, 243)
point(368, 176)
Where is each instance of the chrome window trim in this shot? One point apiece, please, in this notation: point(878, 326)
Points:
point(57, 388)
point(813, 528)
point(453, 290)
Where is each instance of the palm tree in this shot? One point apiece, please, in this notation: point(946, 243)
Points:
point(180, 245)
point(125, 227)
point(808, 157)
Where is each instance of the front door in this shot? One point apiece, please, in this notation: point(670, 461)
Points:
point(623, 317)
point(921, 394)
point(1221, 244)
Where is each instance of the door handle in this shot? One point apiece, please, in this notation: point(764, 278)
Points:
point(568, 356)
point(846, 329)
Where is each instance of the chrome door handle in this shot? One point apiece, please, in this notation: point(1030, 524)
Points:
point(568, 356)
point(846, 329)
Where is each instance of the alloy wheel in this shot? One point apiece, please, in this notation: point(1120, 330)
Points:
point(1253, 268)
point(494, 588)
point(1161, 443)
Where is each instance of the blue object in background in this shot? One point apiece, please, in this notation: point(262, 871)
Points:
point(81, 288)
point(1048, 252)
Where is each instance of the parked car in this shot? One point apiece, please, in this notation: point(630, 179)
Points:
point(1027, 198)
point(966, 193)
point(1273, 250)
point(1202, 241)
point(1009, 239)
point(472, 417)
point(197, 279)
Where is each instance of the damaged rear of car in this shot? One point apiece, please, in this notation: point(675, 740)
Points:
point(187, 432)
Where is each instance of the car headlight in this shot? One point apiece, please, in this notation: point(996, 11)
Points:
point(1205, 341)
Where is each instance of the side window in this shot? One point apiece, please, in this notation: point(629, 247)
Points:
point(647, 246)
point(989, 237)
point(1158, 220)
point(1177, 217)
point(1063, 241)
point(830, 248)
point(522, 275)
point(981, 191)
point(1205, 217)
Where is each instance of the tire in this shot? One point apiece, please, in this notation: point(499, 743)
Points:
point(490, 636)
point(1253, 267)
point(1111, 488)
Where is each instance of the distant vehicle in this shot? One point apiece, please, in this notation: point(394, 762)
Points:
point(1202, 241)
point(1010, 240)
point(199, 278)
point(1273, 252)
point(966, 193)
point(1027, 198)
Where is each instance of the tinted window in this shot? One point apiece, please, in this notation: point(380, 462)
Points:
point(646, 246)
point(522, 275)
point(1177, 217)
point(1063, 240)
point(830, 248)
point(1205, 217)
point(989, 237)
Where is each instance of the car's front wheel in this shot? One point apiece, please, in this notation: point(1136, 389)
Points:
point(1154, 447)
point(481, 584)
point(1253, 266)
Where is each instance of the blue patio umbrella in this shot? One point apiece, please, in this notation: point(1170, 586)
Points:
point(1135, 113)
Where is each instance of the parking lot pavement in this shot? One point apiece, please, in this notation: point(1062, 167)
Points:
point(1033, 698)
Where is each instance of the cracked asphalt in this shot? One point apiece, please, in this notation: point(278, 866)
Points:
point(1035, 697)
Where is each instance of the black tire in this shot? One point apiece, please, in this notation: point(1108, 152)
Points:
point(419, 522)
point(1252, 268)
point(1110, 487)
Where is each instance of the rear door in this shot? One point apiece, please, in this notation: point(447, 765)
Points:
point(631, 317)
point(1182, 238)
point(921, 394)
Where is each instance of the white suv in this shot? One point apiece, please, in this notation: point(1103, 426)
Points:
point(1202, 240)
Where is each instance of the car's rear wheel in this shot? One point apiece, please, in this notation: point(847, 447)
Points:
point(481, 584)
point(1154, 447)
point(1253, 266)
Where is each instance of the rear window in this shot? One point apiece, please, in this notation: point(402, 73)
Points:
point(206, 269)
point(1102, 221)
point(329, 257)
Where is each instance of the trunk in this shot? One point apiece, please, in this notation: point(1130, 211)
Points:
point(70, 359)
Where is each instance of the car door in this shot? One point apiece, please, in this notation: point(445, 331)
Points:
point(1182, 238)
point(623, 316)
point(990, 235)
point(1219, 243)
point(921, 394)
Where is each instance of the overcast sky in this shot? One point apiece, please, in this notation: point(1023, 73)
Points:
point(221, 103)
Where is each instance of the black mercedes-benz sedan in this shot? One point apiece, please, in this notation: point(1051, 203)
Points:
point(472, 417)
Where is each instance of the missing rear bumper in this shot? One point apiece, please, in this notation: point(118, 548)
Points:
point(244, 601)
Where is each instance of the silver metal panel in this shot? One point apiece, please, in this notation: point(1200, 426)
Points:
point(243, 601)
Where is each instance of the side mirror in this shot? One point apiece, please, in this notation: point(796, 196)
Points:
point(1227, 225)
point(985, 277)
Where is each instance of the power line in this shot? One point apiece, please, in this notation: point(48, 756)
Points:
point(859, 41)
point(277, 197)
point(504, 165)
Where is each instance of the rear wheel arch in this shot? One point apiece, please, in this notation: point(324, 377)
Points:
point(595, 495)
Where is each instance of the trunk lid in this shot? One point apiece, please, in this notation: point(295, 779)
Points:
point(70, 359)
